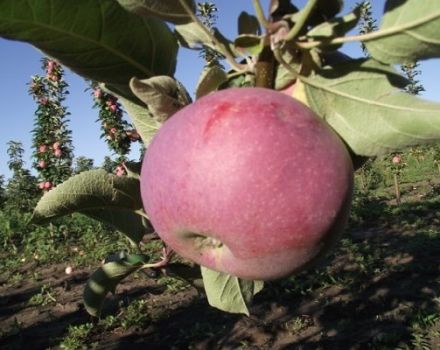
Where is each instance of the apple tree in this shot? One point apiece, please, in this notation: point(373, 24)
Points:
point(52, 142)
point(130, 47)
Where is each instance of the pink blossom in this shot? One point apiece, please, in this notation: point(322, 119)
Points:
point(41, 185)
point(42, 164)
point(113, 108)
point(113, 130)
point(56, 145)
point(42, 148)
point(57, 153)
point(47, 185)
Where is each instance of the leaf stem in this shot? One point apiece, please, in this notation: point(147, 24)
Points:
point(260, 14)
point(223, 50)
point(301, 20)
point(279, 57)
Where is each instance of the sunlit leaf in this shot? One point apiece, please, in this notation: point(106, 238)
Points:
point(229, 293)
point(163, 95)
point(364, 102)
point(97, 39)
point(249, 44)
point(100, 195)
point(409, 31)
point(335, 27)
point(212, 77)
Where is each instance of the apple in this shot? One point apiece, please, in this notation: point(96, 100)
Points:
point(396, 159)
point(249, 182)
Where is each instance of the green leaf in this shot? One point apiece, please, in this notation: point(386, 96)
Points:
point(163, 95)
point(410, 31)
point(249, 44)
point(229, 293)
point(106, 278)
point(212, 77)
point(133, 169)
point(97, 39)
point(100, 195)
point(142, 119)
point(364, 102)
point(248, 24)
point(328, 8)
point(192, 36)
point(132, 224)
point(335, 27)
point(169, 10)
point(284, 76)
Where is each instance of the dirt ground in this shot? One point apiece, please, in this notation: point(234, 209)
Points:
point(379, 290)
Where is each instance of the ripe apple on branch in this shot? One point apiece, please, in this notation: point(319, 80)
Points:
point(251, 183)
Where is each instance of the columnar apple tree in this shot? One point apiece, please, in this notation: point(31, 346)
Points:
point(130, 47)
point(116, 131)
point(53, 150)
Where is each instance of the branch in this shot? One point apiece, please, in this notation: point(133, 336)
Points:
point(302, 19)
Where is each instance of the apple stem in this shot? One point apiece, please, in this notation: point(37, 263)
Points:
point(167, 254)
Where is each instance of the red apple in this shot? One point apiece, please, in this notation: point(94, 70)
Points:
point(249, 182)
point(396, 159)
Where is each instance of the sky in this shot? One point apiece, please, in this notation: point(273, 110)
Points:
point(19, 61)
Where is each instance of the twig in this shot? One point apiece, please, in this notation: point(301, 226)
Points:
point(369, 36)
point(260, 14)
point(301, 20)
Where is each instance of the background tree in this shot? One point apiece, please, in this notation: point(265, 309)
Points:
point(51, 136)
point(2, 191)
point(21, 190)
point(414, 87)
point(82, 163)
point(115, 130)
point(366, 23)
point(207, 12)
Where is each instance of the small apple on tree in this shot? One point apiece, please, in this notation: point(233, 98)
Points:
point(248, 182)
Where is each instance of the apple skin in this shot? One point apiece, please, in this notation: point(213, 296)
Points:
point(248, 182)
